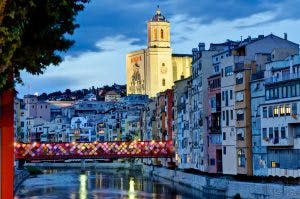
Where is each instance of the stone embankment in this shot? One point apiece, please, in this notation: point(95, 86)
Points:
point(226, 187)
point(19, 177)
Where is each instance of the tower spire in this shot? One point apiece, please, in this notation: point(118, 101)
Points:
point(158, 10)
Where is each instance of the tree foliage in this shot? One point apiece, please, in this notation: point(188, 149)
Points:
point(33, 33)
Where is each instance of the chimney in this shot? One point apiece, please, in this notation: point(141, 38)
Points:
point(201, 46)
point(285, 36)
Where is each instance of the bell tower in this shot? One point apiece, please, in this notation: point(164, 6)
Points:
point(158, 31)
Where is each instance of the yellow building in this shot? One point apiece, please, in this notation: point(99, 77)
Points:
point(155, 69)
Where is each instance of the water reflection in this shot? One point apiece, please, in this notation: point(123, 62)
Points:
point(72, 184)
point(83, 189)
point(131, 192)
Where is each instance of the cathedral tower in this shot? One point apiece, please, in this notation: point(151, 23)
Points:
point(158, 31)
point(154, 69)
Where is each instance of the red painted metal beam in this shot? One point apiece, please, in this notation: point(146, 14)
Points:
point(6, 144)
point(88, 150)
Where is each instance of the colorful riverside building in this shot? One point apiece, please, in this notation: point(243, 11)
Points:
point(214, 124)
point(236, 105)
point(154, 69)
point(181, 124)
point(280, 118)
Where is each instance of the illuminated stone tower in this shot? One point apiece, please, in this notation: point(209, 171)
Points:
point(150, 71)
point(159, 55)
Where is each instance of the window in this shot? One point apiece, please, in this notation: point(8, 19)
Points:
point(265, 112)
point(224, 150)
point(241, 158)
point(264, 133)
point(281, 110)
point(228, 71)
point(240, 115)
point(294, 109)
point(162, 33)
point(274, 164)
point(226, 98)
point(270, 110)
point(240, 133)
point(239, 96)
point(239, 78)
point(267, 94)
point(271, 133)
point(287, 109)
point(224, 135)
point(212, 162)
point(223, 115)
point(223, 95)
point(227, 117)
point(283, 134)
point(163, 82)
point(163, 64)
point(293, 88)
point(22, 124)
point(231, 114)
point(275, 111)
point(230, 94)
point(284, 92)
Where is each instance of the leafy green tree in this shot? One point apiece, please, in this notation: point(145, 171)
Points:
point(33, 33)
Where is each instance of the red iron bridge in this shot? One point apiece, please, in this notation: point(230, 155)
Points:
point(93, 150)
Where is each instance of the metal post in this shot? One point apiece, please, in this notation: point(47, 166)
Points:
point(6, 145)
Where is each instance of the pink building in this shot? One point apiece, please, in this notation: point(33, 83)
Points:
point(214, 125)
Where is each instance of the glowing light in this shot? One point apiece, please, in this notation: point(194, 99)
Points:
point(131, 192)
point(83, 189)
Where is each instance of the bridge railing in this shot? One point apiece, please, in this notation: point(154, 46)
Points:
point(84, 150)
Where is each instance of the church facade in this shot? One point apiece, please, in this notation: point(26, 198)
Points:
point(155, 69)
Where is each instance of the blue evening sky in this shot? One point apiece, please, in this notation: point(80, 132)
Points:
point(111, 28)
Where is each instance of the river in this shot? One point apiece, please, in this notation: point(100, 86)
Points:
point(98, 184)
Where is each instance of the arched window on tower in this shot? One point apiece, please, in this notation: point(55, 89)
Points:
point(163, 82)
point(162, 34)
point(155, 34)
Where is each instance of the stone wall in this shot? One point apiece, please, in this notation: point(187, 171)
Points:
point(225, 186)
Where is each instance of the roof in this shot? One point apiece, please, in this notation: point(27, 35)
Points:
point(181, 55)
point(111, 93)
point(158, 16)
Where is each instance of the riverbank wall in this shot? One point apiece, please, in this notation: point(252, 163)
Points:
point(226, 187)
point(19, 177)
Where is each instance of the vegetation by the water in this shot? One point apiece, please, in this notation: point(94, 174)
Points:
point(33, 170)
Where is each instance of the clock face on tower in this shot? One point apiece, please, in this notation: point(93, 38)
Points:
point(163, 69)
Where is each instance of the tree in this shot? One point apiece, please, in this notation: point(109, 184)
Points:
point(32, 33)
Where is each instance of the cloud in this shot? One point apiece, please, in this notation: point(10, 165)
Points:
point(93, 68)
point(111, 28)
point(193, 30)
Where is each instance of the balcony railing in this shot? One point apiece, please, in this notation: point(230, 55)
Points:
point(283, 77)
point(259, 75)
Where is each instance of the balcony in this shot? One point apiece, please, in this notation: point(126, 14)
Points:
point(239, 67)
point(283, 77)
point(259, 75)
point(277, 142)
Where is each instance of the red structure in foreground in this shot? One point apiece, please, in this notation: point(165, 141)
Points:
point(87, 150)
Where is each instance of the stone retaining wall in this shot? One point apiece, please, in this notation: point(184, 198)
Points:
point(225, 186)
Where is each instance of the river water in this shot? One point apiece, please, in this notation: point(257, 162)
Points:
point(98, 184)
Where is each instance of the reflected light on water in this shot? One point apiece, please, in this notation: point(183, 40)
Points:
point(131, 192)
point(82, 189)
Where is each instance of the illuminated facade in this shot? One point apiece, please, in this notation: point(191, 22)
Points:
point(155, 69)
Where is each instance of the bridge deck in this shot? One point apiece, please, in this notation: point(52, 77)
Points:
point(89, 150)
